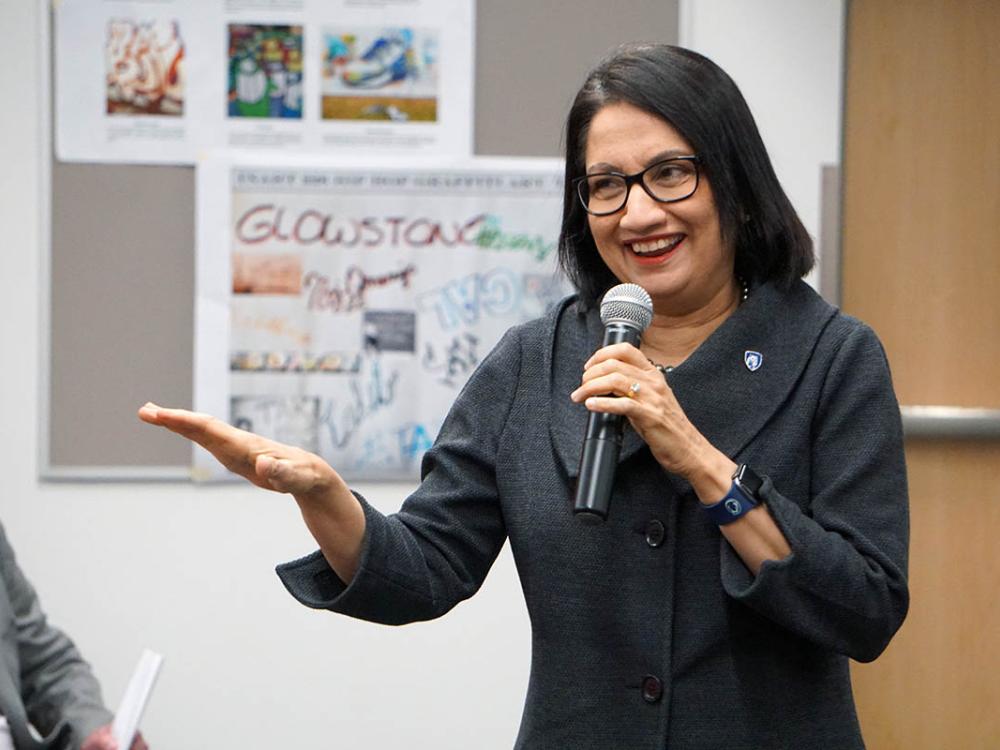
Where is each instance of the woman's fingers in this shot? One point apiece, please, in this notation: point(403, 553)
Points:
point(201, 428)
point(613, 385)
point(613, 405)
point(273, 466)
point(237, 450)
point(599, 369)
point(149, 412)
point(210, 433)
point(624, 352)
point(618, 379)
point(608, 383)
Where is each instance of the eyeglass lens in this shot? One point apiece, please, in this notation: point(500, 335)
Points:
point(666, 181)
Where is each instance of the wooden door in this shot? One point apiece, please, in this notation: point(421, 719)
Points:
point(921, 264)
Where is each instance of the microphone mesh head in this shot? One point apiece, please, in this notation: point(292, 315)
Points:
point(629, 304)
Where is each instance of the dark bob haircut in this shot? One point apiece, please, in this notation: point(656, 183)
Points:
point(697, 98)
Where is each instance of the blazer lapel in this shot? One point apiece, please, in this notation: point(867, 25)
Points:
point(741, 375)
point(729, 387)
point(573, 337)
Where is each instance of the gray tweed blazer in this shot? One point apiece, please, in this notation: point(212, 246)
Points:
point(43, 679)
point(648, 631)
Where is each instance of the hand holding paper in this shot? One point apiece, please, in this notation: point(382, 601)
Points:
point(123, 733)
point(103, 739)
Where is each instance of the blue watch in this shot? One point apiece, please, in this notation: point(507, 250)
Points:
point(743, 496)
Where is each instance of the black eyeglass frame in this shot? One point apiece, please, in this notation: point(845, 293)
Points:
point(632, 179)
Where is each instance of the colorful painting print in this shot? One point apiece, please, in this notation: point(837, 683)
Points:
point(265, 71)
point(380, 74)
point(144, 67)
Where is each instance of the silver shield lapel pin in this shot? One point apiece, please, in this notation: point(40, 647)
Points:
point(753, 360)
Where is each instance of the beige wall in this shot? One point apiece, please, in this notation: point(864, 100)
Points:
point(921, 263)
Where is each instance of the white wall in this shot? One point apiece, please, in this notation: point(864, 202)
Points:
point(187, 570)
point(787, 58)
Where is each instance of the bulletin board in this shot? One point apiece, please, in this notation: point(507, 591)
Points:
point(121, 262)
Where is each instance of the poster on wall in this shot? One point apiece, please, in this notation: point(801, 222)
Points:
point(341, 305)
point(161, 81)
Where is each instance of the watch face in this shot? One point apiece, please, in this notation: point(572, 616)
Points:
point(748, 481)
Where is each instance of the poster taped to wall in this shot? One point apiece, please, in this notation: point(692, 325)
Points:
point(160, 82)
point(341, 306)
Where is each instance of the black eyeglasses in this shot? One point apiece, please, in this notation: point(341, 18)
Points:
point(666, 181)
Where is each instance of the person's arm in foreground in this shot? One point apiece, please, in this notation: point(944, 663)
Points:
point(57, 684)
point(333, 515)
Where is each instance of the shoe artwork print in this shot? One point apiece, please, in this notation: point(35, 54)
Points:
point(380, 74)
point(387, 60)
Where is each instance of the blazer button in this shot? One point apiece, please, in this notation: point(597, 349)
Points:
point(652, 689)
point(655, 533)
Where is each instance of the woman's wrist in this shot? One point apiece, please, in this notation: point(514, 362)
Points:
point(336, 519)
point(712, 475)
point(329, 495)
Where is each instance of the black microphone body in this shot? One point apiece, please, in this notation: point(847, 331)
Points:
point(602, 443)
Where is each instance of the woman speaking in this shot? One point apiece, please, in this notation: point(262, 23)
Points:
point(757, 535)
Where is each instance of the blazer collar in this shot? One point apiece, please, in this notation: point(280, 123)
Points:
point(722, 396)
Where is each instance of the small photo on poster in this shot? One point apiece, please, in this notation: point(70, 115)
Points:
point(380, 74)
point(389, 331)
point(271, 273)
point(293, 420)
point(144, 67)
point(265, 71)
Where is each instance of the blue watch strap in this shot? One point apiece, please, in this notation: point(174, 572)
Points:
point(737, 502)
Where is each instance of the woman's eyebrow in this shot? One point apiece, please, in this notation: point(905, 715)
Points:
point(602, 166)
point(670, 153)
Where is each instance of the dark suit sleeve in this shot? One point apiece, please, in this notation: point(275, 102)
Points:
point(436, 551)
point(56, 683)
point(844, 585)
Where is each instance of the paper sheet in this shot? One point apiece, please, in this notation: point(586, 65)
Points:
point(134, 700)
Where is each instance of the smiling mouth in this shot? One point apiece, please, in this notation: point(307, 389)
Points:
point(657, 247)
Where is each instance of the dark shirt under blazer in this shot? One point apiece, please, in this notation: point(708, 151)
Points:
point(649, 631)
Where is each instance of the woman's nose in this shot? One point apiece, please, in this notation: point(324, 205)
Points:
point(641, 210)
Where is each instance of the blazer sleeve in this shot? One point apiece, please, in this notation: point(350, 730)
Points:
point(436, 551)
point(844, 585)
point(57, 685)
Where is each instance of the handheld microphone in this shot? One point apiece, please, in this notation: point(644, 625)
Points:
point(626, 311)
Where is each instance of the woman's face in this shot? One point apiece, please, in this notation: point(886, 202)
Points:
point(674, 251)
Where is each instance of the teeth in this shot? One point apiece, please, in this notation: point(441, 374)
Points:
point(647, 248)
